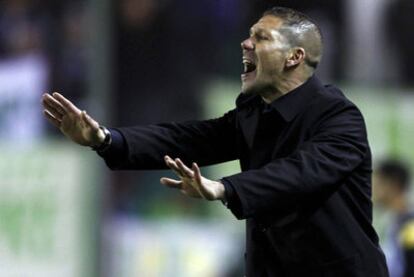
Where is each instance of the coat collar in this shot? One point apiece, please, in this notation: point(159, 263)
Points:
point(288, 106)
point(292, 103)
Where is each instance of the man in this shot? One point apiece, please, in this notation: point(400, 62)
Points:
point(391, 184)
point(304, 188)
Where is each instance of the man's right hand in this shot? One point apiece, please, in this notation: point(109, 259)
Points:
point(75, 124)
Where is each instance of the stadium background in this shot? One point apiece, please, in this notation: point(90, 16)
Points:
point(62, 213)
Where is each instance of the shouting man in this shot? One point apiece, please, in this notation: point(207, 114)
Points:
point(305, 182)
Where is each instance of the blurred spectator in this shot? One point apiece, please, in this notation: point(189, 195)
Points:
point(23, 72)
point(41, 48)
point(399, 19)
point(153, 62)
point(390, 190)
point(70, 68)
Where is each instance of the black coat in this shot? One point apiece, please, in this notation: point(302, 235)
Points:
point(308, 209)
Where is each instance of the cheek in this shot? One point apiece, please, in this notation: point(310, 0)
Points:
point(271, 61)
point(273, 65)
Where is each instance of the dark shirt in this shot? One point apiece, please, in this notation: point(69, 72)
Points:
point(305, 185)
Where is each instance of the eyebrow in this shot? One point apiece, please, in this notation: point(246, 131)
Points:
point(259, 30)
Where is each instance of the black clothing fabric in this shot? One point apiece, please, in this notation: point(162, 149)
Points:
point(305, 185)
point(266, 134)
point(117, 149)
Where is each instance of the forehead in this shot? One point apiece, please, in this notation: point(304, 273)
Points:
point(268, 23)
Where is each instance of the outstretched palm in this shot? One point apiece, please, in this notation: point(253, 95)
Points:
point(75, 124)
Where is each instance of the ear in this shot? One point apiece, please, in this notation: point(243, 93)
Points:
point(296, 56)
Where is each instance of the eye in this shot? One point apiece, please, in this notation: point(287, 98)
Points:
point(260, 36)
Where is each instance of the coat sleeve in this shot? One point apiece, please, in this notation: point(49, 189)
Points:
point(205, 142)
point(320, 164)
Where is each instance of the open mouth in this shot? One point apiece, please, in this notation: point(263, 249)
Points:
point(248, 66)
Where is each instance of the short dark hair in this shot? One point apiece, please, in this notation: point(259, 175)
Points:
point(397, 171)
point(300, 31)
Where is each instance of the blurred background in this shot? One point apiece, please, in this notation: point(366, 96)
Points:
point(127, 62)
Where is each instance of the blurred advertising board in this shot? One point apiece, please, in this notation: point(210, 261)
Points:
point(182, 247)
point(47, 213)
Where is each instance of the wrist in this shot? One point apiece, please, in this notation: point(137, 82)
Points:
point(100, 137)
point(221, 195)
point(104, 139)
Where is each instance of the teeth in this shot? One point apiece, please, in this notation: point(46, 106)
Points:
point(245, 68)
point(248, 66)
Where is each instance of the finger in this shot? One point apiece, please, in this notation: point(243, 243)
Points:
point(69, 106)
point(198, 184)
point(51, 118)
point(47, 98)
point(201, 187)
point(172, 165)
point(171, 183)
point(52, 110)
point(197, 174)
point(89, 121)
point(183, 168)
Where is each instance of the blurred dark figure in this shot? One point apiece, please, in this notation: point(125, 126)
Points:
point(57, 31)
point(399, 19)
point(391, 184)
point(153, 62)
point(69, 58)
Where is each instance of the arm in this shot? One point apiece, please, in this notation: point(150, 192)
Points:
point(144, 147)
point(318, 166)
point(207, 142)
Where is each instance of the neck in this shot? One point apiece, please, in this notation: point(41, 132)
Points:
point(282, 87)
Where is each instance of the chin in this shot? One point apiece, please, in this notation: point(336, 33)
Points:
point(244, 90)
point(251, 88)
point(248, 87)
point(247, 91)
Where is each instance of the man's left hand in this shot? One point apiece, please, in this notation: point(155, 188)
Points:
point(191, 182)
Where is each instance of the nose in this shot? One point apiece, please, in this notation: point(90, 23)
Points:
point(247, 44)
